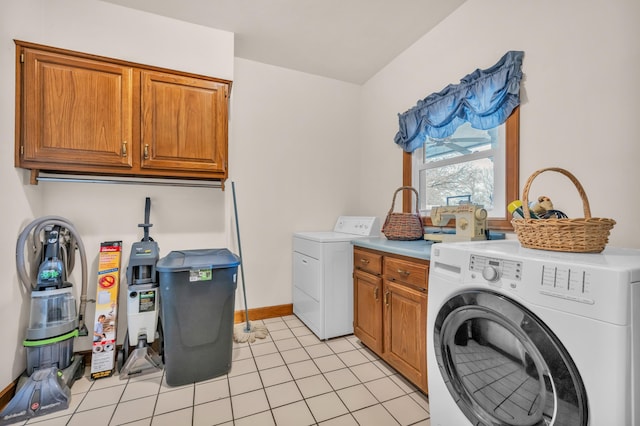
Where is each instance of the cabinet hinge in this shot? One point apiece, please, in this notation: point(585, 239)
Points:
point(22, 58)
point(21, 150)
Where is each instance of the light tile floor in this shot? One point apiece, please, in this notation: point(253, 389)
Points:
point(289, 378)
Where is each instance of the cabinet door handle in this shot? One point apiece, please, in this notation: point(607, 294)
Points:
point(386, 299)
point(375, 293)
point(146, 151)
point(124, 148)
point(403, 272)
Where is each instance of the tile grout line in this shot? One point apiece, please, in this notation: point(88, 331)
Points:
point(360, 381)
point(294, 323)
point(279, 352)
point(323, 374)
point(261, 382)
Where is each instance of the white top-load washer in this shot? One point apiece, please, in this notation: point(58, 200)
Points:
point(518, 336)
point(322, 275)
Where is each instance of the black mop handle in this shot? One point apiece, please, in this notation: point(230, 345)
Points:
point(244, 290)
point(146, 225)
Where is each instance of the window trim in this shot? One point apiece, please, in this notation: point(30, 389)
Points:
point(512, 170)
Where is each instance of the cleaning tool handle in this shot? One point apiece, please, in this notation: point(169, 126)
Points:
point(147, 213)
point(244, 290)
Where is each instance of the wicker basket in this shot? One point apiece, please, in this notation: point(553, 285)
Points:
point(584, 235)
point(403, 226)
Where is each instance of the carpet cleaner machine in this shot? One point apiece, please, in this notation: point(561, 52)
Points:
point(143, 324)
point(51, 243)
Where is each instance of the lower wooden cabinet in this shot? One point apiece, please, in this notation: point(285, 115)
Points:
point(367, 313)
point(390, 310)
point(405, 331)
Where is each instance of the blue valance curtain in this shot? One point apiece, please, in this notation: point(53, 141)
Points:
point(485, 98)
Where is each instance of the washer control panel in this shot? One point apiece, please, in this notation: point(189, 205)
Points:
point(567, 283)
point(493, 268)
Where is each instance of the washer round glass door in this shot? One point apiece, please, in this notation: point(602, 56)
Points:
point(504, 366)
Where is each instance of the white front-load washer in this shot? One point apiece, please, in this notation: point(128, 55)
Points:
point(322, 275)
point(529, 337)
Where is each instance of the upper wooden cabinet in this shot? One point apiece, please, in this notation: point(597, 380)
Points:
point(74, 110)
point(175, 133)
point(80, 113)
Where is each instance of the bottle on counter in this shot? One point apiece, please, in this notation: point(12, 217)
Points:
point(515, 208)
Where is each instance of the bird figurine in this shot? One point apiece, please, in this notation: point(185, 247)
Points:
point(543, 205)
point(544, 209)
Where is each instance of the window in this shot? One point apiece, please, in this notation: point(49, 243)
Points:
point(480, 166)
point(461, 168)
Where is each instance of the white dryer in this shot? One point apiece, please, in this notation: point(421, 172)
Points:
point(322, 275)
point(528, 337)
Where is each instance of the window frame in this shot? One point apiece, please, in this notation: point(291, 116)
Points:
point(512, 171)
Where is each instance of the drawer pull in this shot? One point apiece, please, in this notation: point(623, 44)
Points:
point(375, 293)
point(146, 151)
point(365, 261)
point(124, 148)
point(403, 272)
point(386, 298)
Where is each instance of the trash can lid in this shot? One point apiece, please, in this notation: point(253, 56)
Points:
point(185, 260)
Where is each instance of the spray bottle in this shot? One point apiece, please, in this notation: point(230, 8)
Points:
point(515, 208)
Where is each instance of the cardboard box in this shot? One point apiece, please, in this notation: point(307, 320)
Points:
point(103, 359)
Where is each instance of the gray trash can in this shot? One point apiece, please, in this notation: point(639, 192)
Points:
point(197, 302)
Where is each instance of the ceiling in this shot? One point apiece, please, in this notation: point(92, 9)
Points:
point(348, 40)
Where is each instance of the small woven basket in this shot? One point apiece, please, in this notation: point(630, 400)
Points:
point(403, 226)
point(583, 235)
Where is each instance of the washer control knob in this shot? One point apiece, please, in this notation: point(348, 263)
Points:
point(490, 274)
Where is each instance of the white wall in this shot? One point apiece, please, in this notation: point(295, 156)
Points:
point(294, 138)
point(183, 218)
point(579, 109)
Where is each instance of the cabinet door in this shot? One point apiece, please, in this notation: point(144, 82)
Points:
point(76, 112)
point(405, 331)
point(184, 123)
point(367, 310)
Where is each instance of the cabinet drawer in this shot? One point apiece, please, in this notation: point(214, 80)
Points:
point(407, 272)
point(367, 261)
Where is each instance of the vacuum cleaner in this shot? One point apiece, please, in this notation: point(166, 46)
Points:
point(53, 323)
point(143, 324)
